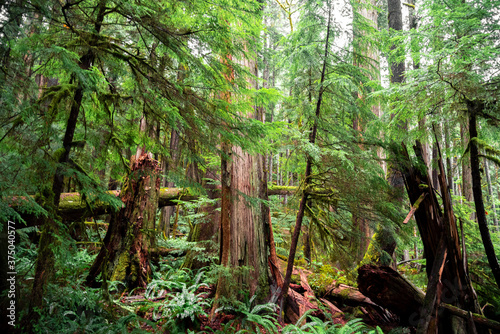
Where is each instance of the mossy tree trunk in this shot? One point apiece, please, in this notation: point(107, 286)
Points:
point(125, 254)
point(45, 264)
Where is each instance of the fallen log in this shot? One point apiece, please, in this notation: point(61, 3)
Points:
point(343, 294)
point(389, 289)
point(72, 207)
point(477, 318)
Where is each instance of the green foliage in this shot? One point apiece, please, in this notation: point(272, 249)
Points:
point(184, 308)
point(317, 326)
point(321, 279)
point(260, 318)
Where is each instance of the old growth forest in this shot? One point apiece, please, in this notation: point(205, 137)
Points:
point(257, 166)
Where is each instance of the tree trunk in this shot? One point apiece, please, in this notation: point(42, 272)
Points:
point(466, 168)
point(473, 108)
point(244, 223)
point(435, 224)
point(394, 175)
point(45, 260)
point(389, 289)
point(125, 254)
point(308, 172)
point(166, 212)
point(490, 193)
point(385, 287)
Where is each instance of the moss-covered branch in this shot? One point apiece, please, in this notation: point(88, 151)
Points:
point(72, 206)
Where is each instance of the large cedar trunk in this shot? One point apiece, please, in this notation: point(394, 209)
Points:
point(245, 227)
point(245, 219)
point(125, 254)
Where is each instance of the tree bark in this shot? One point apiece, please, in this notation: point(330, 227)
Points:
point(474, 107)
point(390, 290)
point(490, 193)
point(167, 211)
point(205, 231)
point(435, 223)
point(244, 223)
point(466, 168)
point(125, 254)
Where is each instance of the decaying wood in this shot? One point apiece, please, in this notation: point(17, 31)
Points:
point(477, 318)
point(333, 308)
point(390, 290)
point(432, 298)
point(437, 222)
point(414, 208)
point(297, 305)
point(344, 294)
point(125, 255)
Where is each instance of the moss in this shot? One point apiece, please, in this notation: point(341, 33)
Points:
point(263, 287)
point(120, 270)
point(300, 263)
point(70, 202)
point(58, 153)
point(282, 188)
point(321, 280)
point(372, 254)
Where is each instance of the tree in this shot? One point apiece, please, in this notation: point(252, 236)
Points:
point(104, 82)
point(245, 224)
point(308, 171)
point(458, 76)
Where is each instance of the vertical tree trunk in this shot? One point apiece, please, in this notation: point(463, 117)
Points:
point(466, 168)
point(205, 230)
point(125, 254)
point(245, 224)
point(167, 211)
point(436, 224)
point(45, 260)
point(394, 175)
point(308, 172)
point(367, 57)
point(449, 171)
point(473, 107)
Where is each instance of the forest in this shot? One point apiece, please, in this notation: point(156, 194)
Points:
point(257, 166)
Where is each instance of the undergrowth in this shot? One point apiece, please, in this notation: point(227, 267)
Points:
point(175, 301)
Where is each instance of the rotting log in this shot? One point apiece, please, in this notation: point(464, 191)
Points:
point(342, 294)
point(72, 207)
point(390, 290)
point(387, 288)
